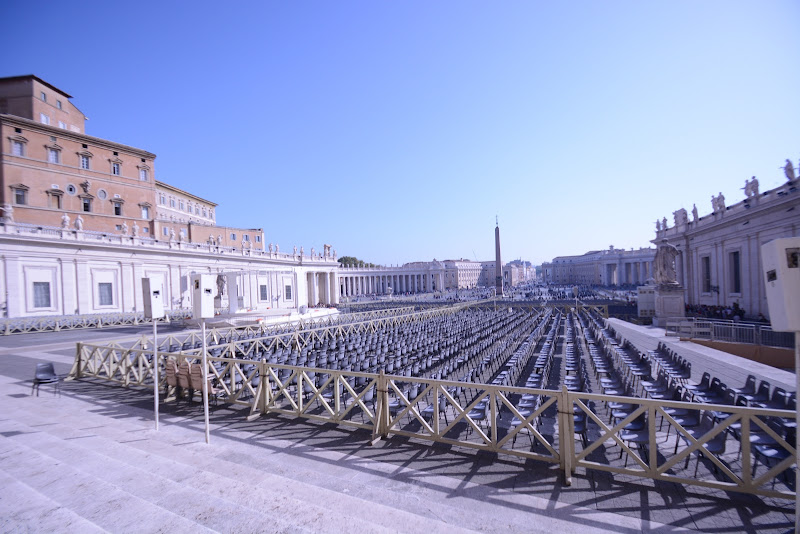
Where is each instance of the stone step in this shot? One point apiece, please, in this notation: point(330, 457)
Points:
point(180, 472)
point(23, 505)
point(96, 501)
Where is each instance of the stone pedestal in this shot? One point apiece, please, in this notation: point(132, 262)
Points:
point(670, 304)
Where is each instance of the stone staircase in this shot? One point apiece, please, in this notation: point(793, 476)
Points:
point(69, 464)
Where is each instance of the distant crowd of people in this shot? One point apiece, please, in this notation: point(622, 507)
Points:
point(731, 313)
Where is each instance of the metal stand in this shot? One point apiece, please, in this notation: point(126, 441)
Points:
point(155, 369)
point(205, 381)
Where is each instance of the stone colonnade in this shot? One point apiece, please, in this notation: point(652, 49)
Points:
point(370, 282)
point(322, 288)
point(628, 272)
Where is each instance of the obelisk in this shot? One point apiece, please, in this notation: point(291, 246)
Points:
point(498, 264)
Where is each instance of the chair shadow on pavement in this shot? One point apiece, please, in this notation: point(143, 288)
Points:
point(453, 471)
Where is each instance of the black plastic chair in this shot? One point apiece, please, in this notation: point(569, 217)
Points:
point(46, 374)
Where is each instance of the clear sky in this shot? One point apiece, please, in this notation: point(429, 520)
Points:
point(396, 131)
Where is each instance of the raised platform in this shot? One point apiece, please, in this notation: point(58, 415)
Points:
point(90, 461)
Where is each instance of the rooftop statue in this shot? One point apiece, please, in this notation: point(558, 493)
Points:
point(789, 171)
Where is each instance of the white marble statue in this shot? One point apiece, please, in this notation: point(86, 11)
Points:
point(135, 229)
point(171, 235)
point(301, 250)
point(664, 264)
point(664, 223)
point(658, 225)
point(65, 221)
point(220, 285)
point(751, 188)
point(788, 170)
point(270, 248)
point(79, 223)
point(124, 228)
point(295, 250)
point(695, 217)
point(680, 217)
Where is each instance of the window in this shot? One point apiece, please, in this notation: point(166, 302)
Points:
point(258, 239)
point(233, 237)
point(41, 295)
point(105, 293)
point(736, 274)
point(246, 237)
point(145, 212)
point(62, 125)
point(196, 210)
point(71, 189)
point(43, 96)
point(117, 208)
point(58, 105)
point(287, 292)
point(101, 194)
point(84, 161)
point(86, 204)
point(204, 213)
point(263, 290)
point(143, 175)
point(115, 169)
point(17, 148)
point(162, 199)
point(182, 206)
point(705, 266)
point(54, 199)
point(172, 203)
point(20, 196)
point(44, 119)
point(165, 231)
point(53, 155)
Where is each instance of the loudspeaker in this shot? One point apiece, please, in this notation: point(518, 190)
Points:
point(203, 295)
point(153, 296)
point(781, 262)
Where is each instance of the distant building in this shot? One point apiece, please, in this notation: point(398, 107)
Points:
point(84, 219)
point(612, 267)
point(720, 252)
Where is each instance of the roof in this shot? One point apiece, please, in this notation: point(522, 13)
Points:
point(34, 77)
point(182, 192)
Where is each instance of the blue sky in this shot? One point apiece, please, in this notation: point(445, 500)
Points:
point(396, 131)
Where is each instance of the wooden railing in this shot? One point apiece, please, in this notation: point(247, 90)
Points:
point(446, 411)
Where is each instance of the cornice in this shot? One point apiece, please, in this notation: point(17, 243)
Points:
point(75, 136)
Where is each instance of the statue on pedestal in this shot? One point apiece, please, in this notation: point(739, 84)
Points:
point(124, 228)
point(694, 213)
point(220, 285)
point(79, 223)
point(664, 223)
point(658, 225)
point(751, 188)
point(664, 264)
point(65, 221)
point(171, 235)
point(681, 217)
point(135, 229)
point(270, 248)
point(788, 170)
